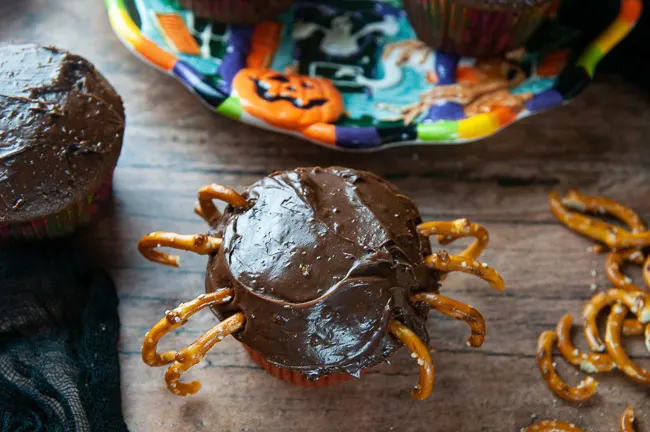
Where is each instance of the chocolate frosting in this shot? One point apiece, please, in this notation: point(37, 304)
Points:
point(320, 263)
point(61, 130)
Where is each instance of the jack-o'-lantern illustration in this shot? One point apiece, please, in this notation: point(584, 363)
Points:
point(289, 101)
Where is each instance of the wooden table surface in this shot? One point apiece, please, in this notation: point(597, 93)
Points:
point(173, 146)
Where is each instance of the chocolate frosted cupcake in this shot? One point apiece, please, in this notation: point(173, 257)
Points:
point(322, 273)
point(61, 129)
point(476, 28)
point(237, 11)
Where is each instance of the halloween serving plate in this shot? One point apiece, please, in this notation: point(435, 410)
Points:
point(351, 74)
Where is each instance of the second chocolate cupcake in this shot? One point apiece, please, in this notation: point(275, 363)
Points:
point(476, 28)
point(237, 11)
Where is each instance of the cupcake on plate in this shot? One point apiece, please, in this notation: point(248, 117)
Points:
point(61, 130)
point(476, 28)
point(237, 11)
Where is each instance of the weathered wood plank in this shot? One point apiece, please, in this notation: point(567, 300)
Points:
point(173, 146)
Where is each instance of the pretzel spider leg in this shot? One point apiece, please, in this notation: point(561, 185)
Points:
point(616, 350)
point(174, 319)
point(192, 354)
point(615, 260)
point(198, 243)
point(457, 310)
point(419, 352)
point(446, 263)
point(447, 232)
point(552, 426)
point(587, 362)
point(611, 235)
point(632, 327)
point(206, 208)
point(585, 390)
point(627, 420)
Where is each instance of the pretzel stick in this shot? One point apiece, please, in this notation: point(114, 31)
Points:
point(552, 426)
point(447, 232)
point(444, 262)
point(174, 319)
point(587, 362)
point(206, 208)
point(627, 420)
point(198, 243)
point(615, 349)
point(419, 352)
point(192, 354)
point(457, 310)
point(637, 301)
point(615, 260)
point(586, 388)
point(611, 235)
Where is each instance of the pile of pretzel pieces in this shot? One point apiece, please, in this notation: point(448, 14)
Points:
point(625, 245)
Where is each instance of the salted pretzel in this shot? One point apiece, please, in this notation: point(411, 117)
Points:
point(612, 236)
point(587, 362)
point(613, 264)
point(616, 350)
point(637, 301)
point(446, 263)
point(585, 390)
point(552, 426)
point(627, 420)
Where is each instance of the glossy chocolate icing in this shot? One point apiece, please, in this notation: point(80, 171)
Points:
point(320, 263)
point(61, 130)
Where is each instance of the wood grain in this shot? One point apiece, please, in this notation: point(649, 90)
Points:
point(173, 145)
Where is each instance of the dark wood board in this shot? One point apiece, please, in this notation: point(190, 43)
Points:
point(598, 143)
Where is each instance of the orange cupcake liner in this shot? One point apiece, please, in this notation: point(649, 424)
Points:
point(295, 377)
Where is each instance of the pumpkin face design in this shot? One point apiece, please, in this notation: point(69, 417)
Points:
point(289, 101)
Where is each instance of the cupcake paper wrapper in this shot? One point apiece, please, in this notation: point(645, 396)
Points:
point(237, 11)
point(65, 222)
point(469, 30)
point(294, 377)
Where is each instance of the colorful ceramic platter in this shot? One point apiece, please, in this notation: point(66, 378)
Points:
point(351, 73)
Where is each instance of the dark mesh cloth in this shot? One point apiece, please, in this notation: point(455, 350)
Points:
point(59, 328)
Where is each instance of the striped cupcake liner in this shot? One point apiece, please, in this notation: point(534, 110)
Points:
point(295, 377)
point(65, 222)
point(468, 30)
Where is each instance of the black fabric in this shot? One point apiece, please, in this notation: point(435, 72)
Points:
point(59, 328)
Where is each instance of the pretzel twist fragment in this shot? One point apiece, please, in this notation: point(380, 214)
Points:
point(206, 208)
point(615, 260)
point(615, 349)
point(637, 301)
point(444, 262)
point(574, 200)
point(460, 311)
point(174, 319)
point(587, 362)
point(585, 390)
point(193, 353)
point(627, 420)
point(552, 426)
point(198, 243)
point(419, 352)
point(612, 236)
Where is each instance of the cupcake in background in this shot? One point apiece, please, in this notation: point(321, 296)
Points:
point(61, 130)
point(477, 28)
point(237, 11)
